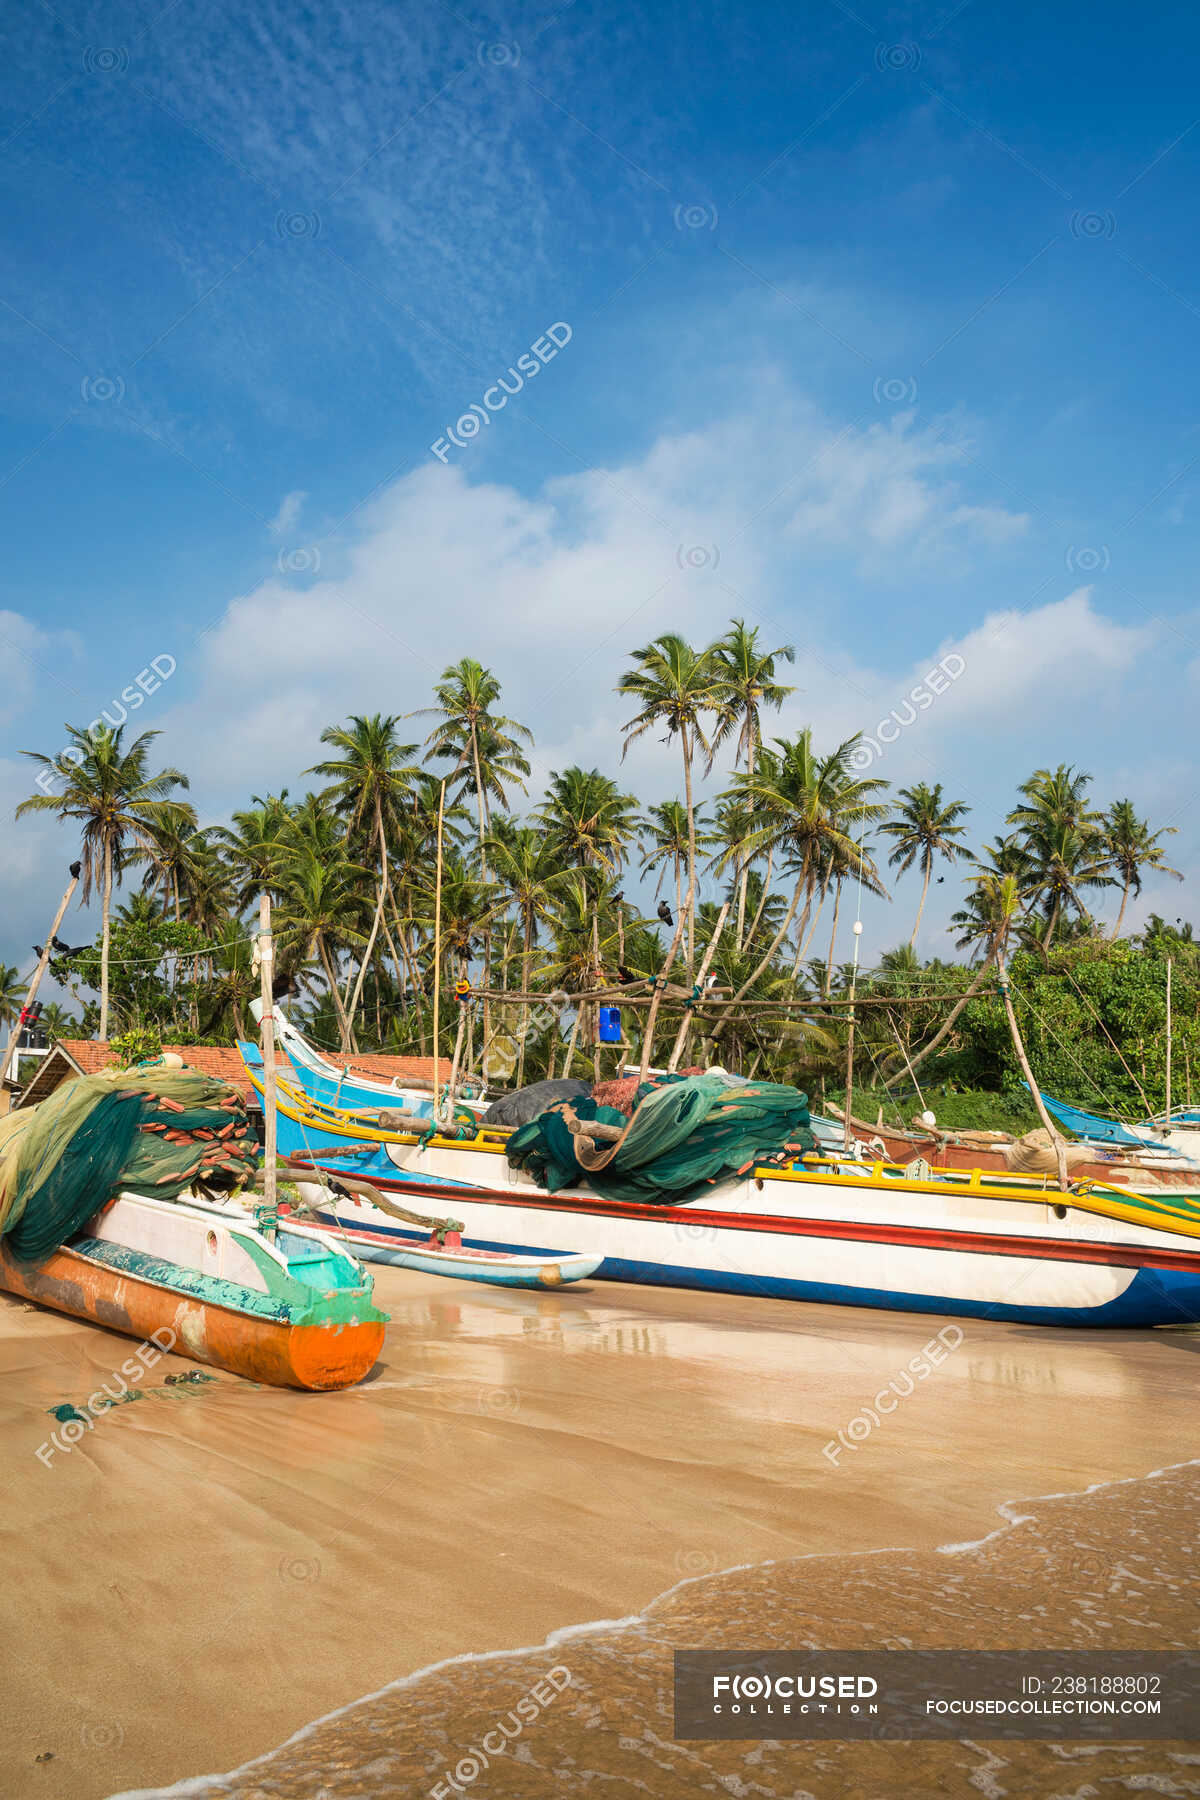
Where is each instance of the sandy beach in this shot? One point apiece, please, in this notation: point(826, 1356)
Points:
point(214, 1566)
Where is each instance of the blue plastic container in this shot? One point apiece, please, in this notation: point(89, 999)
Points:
point(610, 1025)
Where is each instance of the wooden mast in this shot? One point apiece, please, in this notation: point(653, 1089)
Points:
point(266, 972)
point(36, 982)
point(437, 950)
point(1168, 1043)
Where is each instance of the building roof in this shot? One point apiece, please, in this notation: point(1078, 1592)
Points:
point(70, 1057)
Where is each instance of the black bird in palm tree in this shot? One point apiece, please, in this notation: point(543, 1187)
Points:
point(618, 896)
point(665, 913)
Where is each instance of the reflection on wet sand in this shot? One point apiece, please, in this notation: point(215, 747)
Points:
point(224, 1565)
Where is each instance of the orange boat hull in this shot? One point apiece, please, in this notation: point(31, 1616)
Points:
point(272, 1351)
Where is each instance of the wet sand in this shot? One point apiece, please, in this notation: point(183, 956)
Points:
point(213, 1567)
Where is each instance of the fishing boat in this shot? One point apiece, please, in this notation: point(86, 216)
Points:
point(346, 1086)
point(1175, 1134)
point(442, 1252)
point(290, 1307)
point(1130, 1165)
point(847, 1232)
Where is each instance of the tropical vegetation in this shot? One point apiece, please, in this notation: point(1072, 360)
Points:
point(413, 862)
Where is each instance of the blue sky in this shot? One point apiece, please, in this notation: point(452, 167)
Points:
point(881, 334)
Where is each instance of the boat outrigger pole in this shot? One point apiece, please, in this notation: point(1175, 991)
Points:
point(35, 984)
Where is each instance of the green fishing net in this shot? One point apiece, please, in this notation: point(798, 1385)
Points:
point(146, 1130)
point(685, 1136)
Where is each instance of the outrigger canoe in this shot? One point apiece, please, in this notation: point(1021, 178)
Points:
point(846, 1232)
point(444, 1253)
point(289, 1306)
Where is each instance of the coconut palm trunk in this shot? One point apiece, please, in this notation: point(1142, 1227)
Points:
point(827, 984)
point(1056, 1138)
point(526, 962)
point(105, 936)
point(338, 1006)
point(890, 1080)
point(691, 825)
point(766, 893)
point(928, 861)
point(744, 876)
point(802, 883)
point(381, 838)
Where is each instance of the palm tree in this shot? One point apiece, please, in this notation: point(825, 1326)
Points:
point(526, 870)
point(485, 744)
point(170, 853)
point(250, 846)
point(371, 778)
point(587, 819)
point(110, 791)
point(664, 835)
point(808, 807)
point(925, 827)
point(746, 682)
point(675, 686)
point(55, 1021)
point(996, 895)
point(1132, 847)
point(589, 824)
point(1062, 835)
point(839, 867)
point(321, 912)
point(12, 993)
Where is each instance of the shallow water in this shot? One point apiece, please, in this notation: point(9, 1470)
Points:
point(213, 1567)
point(1113, 1568)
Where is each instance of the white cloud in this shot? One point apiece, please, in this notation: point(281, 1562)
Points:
point(554, 590)
point(289, 511)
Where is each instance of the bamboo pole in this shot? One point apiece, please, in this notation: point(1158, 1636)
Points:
point(1168, 1043)
point(43, 961)
point(571, 1041)
point(266, 969)
point(437, 946)
point(624, 997)
point(463, 1004)
point(1056, 1138)
point(648, 1041)
point(850, 1020)
point(706, 963)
